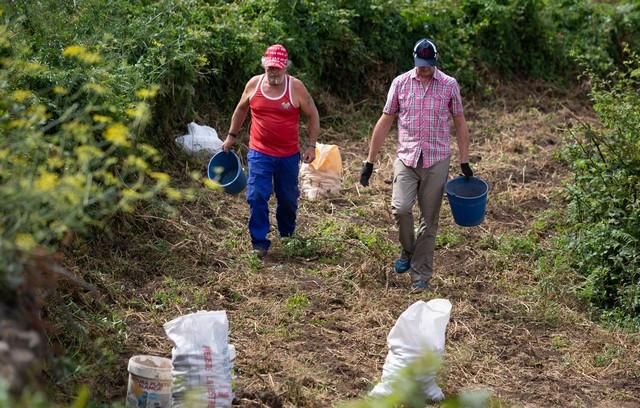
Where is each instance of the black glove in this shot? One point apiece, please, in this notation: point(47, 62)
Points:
point(466, 170)
point(365, 173)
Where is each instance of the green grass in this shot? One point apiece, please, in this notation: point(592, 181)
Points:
point(297, 304)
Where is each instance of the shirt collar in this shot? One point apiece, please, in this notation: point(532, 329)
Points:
point(437, 75)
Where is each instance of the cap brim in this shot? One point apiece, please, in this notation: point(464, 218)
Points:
point(274, 63)
point(421, 62)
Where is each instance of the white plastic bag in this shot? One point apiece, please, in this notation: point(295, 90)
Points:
point(201, 140)
point(201, 361)
point(321, 178)
point(420, 328)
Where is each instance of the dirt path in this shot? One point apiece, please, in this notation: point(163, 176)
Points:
point(310, 324)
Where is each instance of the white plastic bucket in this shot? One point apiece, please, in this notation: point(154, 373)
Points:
point(149, 382)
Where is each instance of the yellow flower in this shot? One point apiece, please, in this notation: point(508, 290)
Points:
point(161, 177)
point(59, 90)
point(139, 111)
point(130, 194)
point(108, 178)
point(73, 51)
point(145, 93)
point(38, 113)
point(117, 134)
point(76, 51)
point(96, 88)
point(211, 184)
point(101, 118)
point(79, 130)
point(20, 95)
point(202, 60)
point(55, 162)
point(87, 153)
point(46, 182)
point(90, 57)
point(75, 181)
point(173, 194)
point(128, 197)
point(140, 163)
point(149, 151)
point(188, 194)
point(25, 242)
point(32, 67)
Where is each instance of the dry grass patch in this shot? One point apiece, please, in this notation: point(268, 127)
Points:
point(310, 321)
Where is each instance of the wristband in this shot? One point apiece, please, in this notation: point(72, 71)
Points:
point(233, 135)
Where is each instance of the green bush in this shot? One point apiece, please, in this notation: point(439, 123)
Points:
point(70, 155)
point(594, 34)
point(201, 53)
point(605, 197)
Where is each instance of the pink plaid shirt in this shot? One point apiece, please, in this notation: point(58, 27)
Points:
point(423, 116)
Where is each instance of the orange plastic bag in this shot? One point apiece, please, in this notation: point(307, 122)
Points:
point(327, 159)
point(322, 177)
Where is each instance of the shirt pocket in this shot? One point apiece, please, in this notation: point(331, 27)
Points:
point(405, 104)
point(441, 104)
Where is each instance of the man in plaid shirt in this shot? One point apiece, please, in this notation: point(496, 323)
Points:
point(422, 99)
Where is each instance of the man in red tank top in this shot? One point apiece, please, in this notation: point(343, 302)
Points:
point(275, 100)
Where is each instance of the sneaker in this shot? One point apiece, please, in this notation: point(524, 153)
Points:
point(419, 286)
point(402, 264)
point(260, 252)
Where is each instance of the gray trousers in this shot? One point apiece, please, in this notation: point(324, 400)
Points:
point(427, 187)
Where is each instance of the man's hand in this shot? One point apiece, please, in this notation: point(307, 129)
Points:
point(365, 173)
point(309, 154)
point(466, 170)
point(228, 143)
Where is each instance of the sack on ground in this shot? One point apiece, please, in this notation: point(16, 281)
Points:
point(200, 141)
point(322, 177)
point(419, 329)
point(201, 360)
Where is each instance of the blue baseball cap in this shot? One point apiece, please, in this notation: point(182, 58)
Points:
point(425, 53)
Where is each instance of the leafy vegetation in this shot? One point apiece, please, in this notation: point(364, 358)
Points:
point(91, 93)
point(70, 154)
point(605, 197)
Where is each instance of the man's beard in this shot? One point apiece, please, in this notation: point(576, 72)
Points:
point(275, 79)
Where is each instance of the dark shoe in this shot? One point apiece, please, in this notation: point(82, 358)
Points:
point(401, 265)
point(260, 252)
point(419, 286)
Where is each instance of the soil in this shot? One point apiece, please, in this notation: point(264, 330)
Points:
point(529, 344)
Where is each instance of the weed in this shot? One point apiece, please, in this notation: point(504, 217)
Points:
point(254, 262)
point(299, 247)
point(608, 355)
point(559, 342)
point(374, 240)
point(448, 238)
point(231, 244)
point(297, 304)
point(548, 313)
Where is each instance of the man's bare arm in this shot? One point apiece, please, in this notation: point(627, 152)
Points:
point(308, 107)
point(240, 113)
point(380, 132)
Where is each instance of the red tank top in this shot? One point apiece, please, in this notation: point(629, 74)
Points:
point(274, 122)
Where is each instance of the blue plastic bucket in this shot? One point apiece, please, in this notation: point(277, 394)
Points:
point(468, 200)
point(226, 170)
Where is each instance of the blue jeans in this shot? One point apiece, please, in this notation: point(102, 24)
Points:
point(266, 174)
